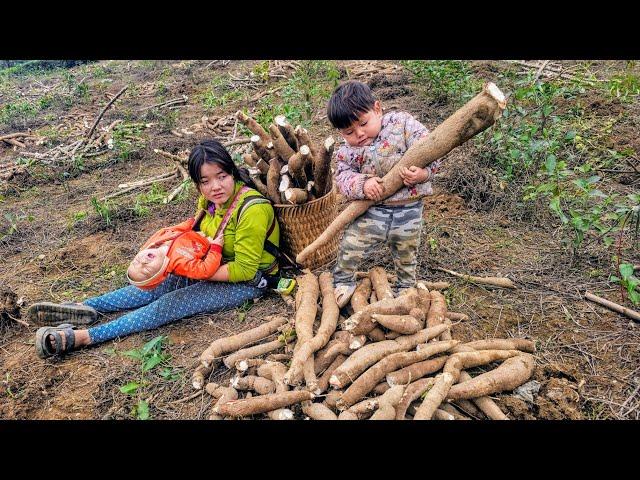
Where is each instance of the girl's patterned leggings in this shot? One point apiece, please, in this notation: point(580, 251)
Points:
point(175, 298)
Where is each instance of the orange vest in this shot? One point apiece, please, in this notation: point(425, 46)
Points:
point(190, 254)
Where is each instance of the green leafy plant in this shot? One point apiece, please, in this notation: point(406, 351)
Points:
point(625, 86)
point(552, 155)
point(103, 209)
point(220, 93)
point(445, 80)
point(628, 281)
point(261, 71)
point(76, 218)
point(17, 113)
point(155, 196)
point(13, 221)
point(149, 357)
point(127, 139)
point(303, 94)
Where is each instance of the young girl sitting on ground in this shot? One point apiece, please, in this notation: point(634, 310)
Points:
point(250, 227)
point(178, 250)
point(374, 143)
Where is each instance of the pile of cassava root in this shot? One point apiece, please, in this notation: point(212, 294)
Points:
point(286, 166)
point(393, 358)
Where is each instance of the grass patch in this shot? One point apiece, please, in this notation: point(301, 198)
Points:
point(445, 81)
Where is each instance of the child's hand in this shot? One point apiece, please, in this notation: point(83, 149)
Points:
point(373, 188)
point(414, 175)
point(219, 240)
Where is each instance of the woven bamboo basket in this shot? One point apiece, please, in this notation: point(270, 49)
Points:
point(302, 224)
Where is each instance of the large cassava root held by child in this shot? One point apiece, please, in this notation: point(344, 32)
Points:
point(474, 117)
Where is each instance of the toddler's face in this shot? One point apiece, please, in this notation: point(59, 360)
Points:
point(147, 263)
point(364, 131)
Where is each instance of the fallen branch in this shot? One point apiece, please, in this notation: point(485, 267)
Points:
point(502, 282)
point(175, 101)
point(540, 70)
point(95, 124)
point(238, 141)
point(632, 314)
point(179, 188)
point(126, 187)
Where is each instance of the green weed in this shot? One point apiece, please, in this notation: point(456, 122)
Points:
point(625, 86)
point(13, 221)
point(446, 80)
point(103, 209)
point(155, 196)
point(628, 281)
point(149, 357)
point(17, 114)
point(127, 140)
point(220, 93)
point(305, 93)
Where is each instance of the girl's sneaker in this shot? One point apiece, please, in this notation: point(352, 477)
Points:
point(48, 313)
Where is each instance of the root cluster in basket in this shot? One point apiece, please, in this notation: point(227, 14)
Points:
point(391, 358)
point(285, 164)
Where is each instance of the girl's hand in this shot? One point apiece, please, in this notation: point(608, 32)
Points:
point(219, 240)
point(373, 188)
point(414, 175)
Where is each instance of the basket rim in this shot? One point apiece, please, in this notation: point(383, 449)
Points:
point(287, 205)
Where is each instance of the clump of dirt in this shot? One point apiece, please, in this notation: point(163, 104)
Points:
point(486, 70)
point(476, 184)
point(625, 136)
point(557, 399)
point(443, 204)
point(388, 87)
point(515, 408)
point(9, 308)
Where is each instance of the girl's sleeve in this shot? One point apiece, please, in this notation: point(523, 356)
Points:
point(348, 177)
point(251, 231)
point(200, 269)
point(413, 131)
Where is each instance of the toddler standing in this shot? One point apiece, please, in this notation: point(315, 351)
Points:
point(374, 143)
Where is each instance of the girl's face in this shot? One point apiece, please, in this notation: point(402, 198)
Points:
point(215, 184)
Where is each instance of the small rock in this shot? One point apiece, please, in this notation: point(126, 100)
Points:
point(528, 390)
point(41, 257)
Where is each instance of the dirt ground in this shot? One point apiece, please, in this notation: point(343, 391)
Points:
point(587, 356)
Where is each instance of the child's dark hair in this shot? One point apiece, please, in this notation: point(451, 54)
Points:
point(212, 151)
point(347, 102)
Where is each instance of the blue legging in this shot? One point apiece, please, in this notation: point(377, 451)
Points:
point(175, 298)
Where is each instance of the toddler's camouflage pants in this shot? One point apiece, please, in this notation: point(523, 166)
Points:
point(399, 227)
